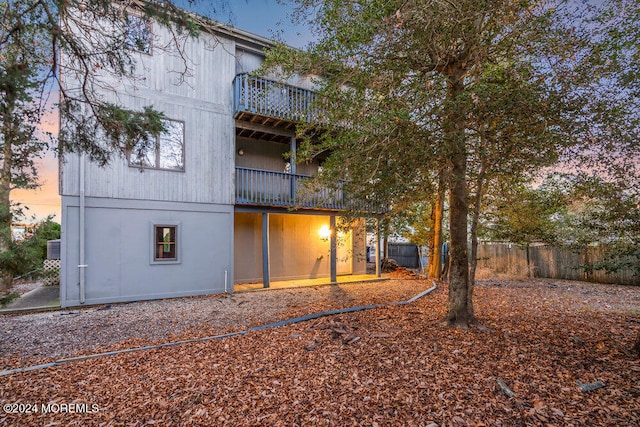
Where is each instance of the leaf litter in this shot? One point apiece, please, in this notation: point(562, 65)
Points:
point(392, 365)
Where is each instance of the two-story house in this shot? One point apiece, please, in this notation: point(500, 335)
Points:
point(215, 202)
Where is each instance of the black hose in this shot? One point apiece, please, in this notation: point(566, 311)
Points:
point(215, 337)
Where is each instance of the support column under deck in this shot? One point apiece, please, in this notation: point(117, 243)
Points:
point(292, 162)
point(265, 250)
point(378, 272)
point(333, 249)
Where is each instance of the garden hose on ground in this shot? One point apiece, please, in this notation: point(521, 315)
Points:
point(215, 337)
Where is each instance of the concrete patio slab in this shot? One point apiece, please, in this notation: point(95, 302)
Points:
point(39, 299)
point(286, 284)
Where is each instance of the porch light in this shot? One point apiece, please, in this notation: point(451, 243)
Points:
point(325, 232)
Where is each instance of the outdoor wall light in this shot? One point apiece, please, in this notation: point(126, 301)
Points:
point(325, 232)
point(241, 152)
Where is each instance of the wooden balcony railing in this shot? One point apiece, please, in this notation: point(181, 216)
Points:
point(269, 98)
point(278, 189)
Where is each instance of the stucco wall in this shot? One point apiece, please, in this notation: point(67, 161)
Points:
point(296, 248)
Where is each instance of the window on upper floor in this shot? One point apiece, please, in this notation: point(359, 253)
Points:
point(164, 152)
point(138, 34)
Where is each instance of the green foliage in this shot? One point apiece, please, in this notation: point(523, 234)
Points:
point(523, 215)
point(421, 225)
point(537, 82)
point(571, 210)
point(620, 257)
point(89, 42)
point(27, 256)
point(391, 122)
point(604, 212)
point(125, 129)
point(8, 297)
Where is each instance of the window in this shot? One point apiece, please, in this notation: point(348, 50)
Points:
point(165, 242)
point(138, 34)
point(164, 152)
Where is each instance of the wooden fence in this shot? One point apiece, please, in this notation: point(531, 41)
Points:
point(547, 262)
point(405, 254)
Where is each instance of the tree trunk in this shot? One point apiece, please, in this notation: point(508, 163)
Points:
point(460, 295)
point(474, 226)
point(6, 277)
point(435, 244)
point(385, 246)
point(529, 273)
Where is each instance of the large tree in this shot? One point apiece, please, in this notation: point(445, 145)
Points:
point(19, 140)
point(417, 86)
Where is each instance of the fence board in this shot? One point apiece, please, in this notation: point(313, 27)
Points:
point(548, 262)
point(405, 254)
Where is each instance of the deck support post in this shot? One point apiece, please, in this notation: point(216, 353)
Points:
point(265, 250)
point(333, 249)
point(378, 264)
point(292, 164)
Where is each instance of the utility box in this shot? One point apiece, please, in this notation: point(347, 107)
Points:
point(53, 249)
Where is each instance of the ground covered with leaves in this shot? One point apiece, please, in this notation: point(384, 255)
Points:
point(393, 365)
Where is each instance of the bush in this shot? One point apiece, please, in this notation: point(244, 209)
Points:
point(27, 256)
point(8, 297)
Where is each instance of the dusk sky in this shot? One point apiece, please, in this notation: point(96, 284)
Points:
point(267, 18)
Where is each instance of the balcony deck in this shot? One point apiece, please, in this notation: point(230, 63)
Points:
point(266, 109)
point(284, 190)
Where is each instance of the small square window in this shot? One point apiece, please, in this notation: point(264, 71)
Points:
point(138, 34)
point(165, 242)
point(164, 152)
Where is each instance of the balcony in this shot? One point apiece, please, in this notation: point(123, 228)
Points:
point(271, 106)
point(277, 189)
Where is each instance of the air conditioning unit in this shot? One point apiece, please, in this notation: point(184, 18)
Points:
point(53, 249)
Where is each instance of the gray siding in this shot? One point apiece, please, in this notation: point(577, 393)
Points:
point(247, 62)
point(267, 155)
point(208, 174)
point(123, 202)
point(203, 102)
point(119, 246)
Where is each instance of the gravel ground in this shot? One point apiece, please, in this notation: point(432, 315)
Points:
point(40, 336)
point(390, 366)
point(24, 287)
point(36, 337)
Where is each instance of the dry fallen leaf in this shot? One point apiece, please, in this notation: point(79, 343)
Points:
point(392, 365)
